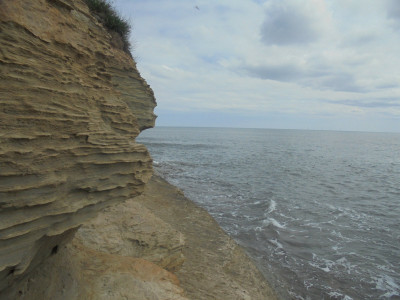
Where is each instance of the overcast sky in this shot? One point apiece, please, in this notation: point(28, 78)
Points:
point(302, 64)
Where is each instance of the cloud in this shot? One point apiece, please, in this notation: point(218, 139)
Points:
point(359, 39)
point(317, 76)
point(393, 9)
point(285, 72)
point(378, 103)
point(290, 22)
point(316, 58)
point(343, 82)
point(393, 12)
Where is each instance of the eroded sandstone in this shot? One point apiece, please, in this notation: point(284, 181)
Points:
point(71, 106)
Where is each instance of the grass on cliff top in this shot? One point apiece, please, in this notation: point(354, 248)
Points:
point(111, 20)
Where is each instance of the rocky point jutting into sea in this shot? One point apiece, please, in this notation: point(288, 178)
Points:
point(71, 223)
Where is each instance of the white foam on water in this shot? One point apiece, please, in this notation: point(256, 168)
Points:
point(385, 268)
point(336, 295)
point(274, 223)
point(308, 284)
point(388, 285)
point(331, 206)
point(321, 263)
point(313, 225)
point(343, 262)
point(272, 206)
point(276, 243)
point(289, 218)
point(297, 297)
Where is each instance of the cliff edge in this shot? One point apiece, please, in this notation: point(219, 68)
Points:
point(71, 106)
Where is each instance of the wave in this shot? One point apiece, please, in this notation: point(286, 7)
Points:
point(272, 206)
point(388, 285)
point(274, 223)
point(276, 243)
point(337, 295)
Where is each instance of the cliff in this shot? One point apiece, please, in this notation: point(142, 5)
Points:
point(79, 218)
point(71, 105)
point(114, 256)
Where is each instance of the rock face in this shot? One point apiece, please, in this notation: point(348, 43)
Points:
point(71, 106)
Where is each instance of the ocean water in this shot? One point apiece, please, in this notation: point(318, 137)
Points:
point(318, 211)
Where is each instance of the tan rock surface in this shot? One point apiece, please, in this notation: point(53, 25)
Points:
point(71, 106)
point(130, 229)
point(79, 273)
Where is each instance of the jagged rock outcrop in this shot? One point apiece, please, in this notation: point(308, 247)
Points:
point(71, 105)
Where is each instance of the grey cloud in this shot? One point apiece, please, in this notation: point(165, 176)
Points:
point(359, 40)
point(317, 77)
point(285, 72)
point(386, 86)
point(343, 82)
point(378, 103)
point(393, 9)
point(393, 12)
point(286, 24)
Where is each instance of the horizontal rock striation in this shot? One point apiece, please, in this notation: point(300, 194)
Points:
point(71, 106)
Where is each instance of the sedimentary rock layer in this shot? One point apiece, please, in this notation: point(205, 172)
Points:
point(102, 267)
point(71, 106)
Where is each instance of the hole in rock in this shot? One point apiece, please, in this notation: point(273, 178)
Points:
point(54, 250)
point(11, 271)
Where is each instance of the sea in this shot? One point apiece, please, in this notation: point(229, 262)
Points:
point(318, 211)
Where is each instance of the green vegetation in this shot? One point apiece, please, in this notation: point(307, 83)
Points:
point(111, 20)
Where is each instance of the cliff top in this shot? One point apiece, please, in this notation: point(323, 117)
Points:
point(113, 21)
